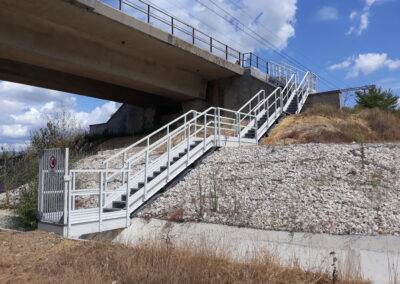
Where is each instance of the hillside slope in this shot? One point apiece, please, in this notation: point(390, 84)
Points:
point(323, 124)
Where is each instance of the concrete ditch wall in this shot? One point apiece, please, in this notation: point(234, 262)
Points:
point(377, 258)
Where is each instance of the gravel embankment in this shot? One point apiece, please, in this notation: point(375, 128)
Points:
point(330, 188)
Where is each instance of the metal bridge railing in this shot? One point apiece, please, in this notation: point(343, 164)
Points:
point(160, 19)
point(156, 17)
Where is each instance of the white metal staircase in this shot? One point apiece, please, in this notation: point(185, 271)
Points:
point(136, 174)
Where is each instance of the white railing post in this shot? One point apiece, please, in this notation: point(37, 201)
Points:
point(101, 201)
point(215, 127)
point(205, 132)
point(281, 98)
point(69, 203)
point(128, 193)
point(67, 181)
point(169, 156)
point(187, 128)
point(123, 166)
point(145, 173)
point(219, 127)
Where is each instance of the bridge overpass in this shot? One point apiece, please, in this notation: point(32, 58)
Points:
point(89, 48)
point(151, 60)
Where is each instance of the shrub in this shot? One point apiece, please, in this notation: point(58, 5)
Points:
point(27, 207)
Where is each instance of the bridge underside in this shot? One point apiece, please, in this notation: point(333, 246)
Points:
point(88, 48)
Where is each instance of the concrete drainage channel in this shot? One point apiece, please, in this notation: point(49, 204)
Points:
point(377, 258)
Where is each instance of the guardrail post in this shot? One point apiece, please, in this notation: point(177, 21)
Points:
point(123, 166)
point(187, 129)
point(194, 37)
point(205, 132)
point(120, 5)
point(251, 57)
point(256, 127)
point(281, 98)
point(67, 181)
point(128, 193)
point(215, 127)
point(172, 25)
point(169, 154)
point(148, 13)
point(211, 44)
point(69, 204)
point(219, 127)
point(145, 174)
point(101, 201)
point(240, 59)
point(257, 60)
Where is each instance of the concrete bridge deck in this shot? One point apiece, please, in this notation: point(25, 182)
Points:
point(89, 48)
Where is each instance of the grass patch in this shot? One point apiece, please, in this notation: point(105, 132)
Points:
point(326, 124)
point(48, 258)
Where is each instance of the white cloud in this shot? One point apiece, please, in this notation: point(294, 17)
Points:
point(363, 17)
point(25, 108)
point(14, 130)
point(341, 65)
point(98, 115)
point(393, 64)
point(327, 14)
point(366, 64)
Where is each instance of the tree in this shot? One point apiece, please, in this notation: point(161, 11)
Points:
point(377, 98)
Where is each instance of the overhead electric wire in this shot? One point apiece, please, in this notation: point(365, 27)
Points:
point(279, 38)
point(282, 54)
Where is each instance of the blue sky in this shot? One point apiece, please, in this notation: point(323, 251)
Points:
point(348, 43)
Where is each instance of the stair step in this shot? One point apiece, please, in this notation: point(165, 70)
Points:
point(105, 210)
point(133, 191)
point(118, 204)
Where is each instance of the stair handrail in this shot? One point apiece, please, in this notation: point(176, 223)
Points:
point(302, 85)
point(148, 136)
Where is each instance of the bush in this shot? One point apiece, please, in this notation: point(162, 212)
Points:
point(27, 207)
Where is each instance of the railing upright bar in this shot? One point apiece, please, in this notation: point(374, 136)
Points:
point(120, 5)
point(169, 154)
point(148, 13)
point(101, 201)
point(128, 193)
point(215, 127)
point(187, 129)
point(145, 175)
point(205, 132)
point(69, 203)
point(172, 25)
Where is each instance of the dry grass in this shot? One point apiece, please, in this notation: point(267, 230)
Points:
point(324, 124)
point(38, 257)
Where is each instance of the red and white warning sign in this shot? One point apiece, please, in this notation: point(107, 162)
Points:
point(53, 162)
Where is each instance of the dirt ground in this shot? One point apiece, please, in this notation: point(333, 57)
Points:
point(23, 253)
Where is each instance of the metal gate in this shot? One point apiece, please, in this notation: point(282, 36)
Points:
point(53, 185)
